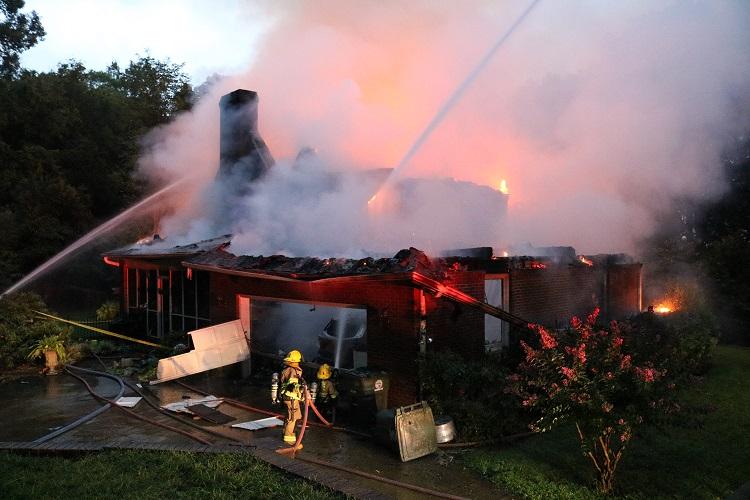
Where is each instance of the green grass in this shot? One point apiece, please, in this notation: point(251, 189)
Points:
point(142, 474)
point(707, 462)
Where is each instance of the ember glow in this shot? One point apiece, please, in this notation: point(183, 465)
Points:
point(666, 305)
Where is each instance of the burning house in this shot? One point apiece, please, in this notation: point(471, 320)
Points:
point(377, 313)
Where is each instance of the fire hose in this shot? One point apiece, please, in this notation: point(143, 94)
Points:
point(185, 422)
point(367, 475)
point(81, 420)
point(70, 369)
point(298, 445)
point(293, 449)
point(161, 410)
point(239, 404)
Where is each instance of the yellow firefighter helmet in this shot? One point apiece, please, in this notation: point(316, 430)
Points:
point(293, 357)
point(324, 372)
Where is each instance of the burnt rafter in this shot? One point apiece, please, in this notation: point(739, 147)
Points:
point(453, 294)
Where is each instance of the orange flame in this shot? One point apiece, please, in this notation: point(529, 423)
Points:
point(504, 187)
point(586, 261)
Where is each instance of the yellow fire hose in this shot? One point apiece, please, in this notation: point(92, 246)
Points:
point(104, 332)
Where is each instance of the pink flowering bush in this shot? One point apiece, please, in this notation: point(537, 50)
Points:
point(589, 375)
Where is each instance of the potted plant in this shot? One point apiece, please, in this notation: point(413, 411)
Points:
point(52, 347)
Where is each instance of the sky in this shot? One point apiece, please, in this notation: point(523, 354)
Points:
point(207, 36)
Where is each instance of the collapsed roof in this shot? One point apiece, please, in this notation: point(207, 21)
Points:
point(158, 248)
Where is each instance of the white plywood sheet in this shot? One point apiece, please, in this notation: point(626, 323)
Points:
point(215, 346)
point(263, 423)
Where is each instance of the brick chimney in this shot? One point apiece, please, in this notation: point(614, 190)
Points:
point(244, 157)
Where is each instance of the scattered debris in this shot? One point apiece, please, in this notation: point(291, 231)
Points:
point(263, 423)
point(128, 401)
point(215, 346)
point(213, 416)
point(181, 406)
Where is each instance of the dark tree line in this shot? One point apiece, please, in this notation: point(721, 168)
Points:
point(69, 142)
point(708, 245)
point(724, 252)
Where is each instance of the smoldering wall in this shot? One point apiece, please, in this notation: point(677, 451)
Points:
point(597, 114)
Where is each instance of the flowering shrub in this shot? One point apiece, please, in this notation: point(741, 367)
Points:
point(590, 375)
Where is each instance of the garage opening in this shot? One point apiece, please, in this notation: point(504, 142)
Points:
point(324, 333)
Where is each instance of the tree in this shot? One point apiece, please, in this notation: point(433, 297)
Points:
point(725, 231)
point(69, 145)
point(594, 377)
point(18, 32)
point(158, 89)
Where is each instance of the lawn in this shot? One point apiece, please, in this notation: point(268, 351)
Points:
point(707, 461)
point(141, 474)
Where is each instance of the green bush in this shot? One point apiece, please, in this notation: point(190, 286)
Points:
point(101, 347)
point(108, 311)
point(684, 340)
point(19, 327)
point(473, 393)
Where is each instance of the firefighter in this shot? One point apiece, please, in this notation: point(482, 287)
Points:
point(291, 386)
point(326, 391)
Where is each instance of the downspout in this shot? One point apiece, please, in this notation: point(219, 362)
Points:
point(423, 340)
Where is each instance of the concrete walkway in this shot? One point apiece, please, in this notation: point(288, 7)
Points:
point(32, 406)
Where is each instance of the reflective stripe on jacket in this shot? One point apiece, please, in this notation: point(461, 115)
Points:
point(290, 383)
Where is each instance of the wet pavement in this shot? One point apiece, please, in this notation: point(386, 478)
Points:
point(34, 406)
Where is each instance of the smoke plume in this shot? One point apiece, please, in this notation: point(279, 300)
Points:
point(598, 114)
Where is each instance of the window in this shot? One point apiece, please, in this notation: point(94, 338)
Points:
point(166, 301)
point(188, 297)
point(495, 329)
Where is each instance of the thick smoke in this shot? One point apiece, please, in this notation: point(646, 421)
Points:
point(599, 115)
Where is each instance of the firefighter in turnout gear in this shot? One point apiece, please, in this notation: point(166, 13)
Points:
point(291, 387)
point(327, 393)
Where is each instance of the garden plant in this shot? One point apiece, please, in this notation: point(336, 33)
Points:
point(595, 377)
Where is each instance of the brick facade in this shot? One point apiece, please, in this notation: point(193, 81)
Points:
point(549, 296)
point(454, 327)
point(624, 290)
point(552, 296)
point(392, 317)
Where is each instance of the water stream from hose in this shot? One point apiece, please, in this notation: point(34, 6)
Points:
point(452, 100)
point(92, 235)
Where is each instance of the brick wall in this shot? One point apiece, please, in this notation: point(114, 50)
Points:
point(553, 295)
point(454, 327)
point(392, 318)
point(624, 290)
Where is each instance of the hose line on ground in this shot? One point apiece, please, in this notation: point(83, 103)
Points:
point(158, 408)
point(81, 420)
point(298, 444)
point(68, 368)
point(239, 404)
point(367, 475)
